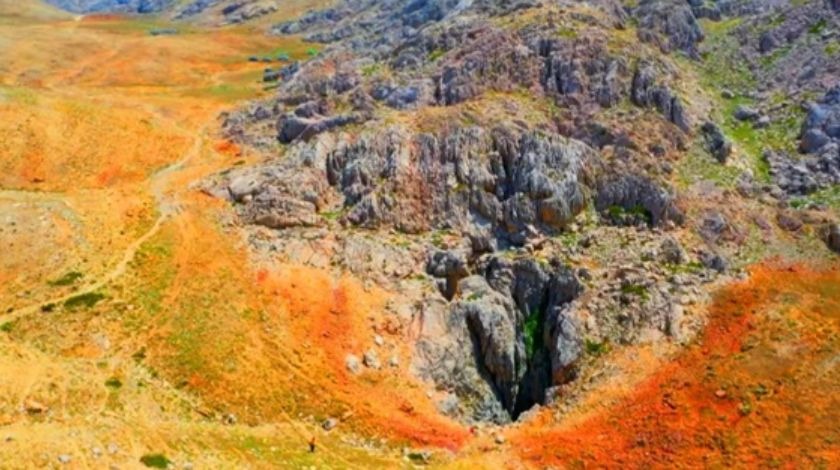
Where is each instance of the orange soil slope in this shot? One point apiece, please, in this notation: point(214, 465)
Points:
point(758, 391)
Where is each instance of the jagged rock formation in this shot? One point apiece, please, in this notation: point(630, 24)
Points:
point(514, 318)
point(230, 11)
point(380, 133)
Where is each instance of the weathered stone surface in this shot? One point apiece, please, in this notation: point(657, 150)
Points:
point(670, 24)
point(716, 143)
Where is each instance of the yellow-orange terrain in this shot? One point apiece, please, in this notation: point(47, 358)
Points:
point(134, 325)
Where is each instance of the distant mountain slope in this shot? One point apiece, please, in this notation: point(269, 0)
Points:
point(30, 10)
point(122, 6)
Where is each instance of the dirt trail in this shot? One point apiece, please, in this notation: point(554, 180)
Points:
point(167, 205)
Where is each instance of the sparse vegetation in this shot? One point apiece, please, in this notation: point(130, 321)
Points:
point(596, 348)
point(67, 279)
point(113, 382)
point(620, 214)
point(371, 70)
point(155, 461)
point(829, 197)
point(436, 54)
point(532, 333)
point(86, 300)
point(637, 290)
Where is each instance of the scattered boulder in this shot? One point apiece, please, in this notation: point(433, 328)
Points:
point(714, 261)
point(371, 360)
point(716, 143)
point(352, 364)
point(243, 187)
point(451, 267)
point(788, 221)
point(329, 424)
point(746, 113)
point(671, 251)
point(670, 24)
point(813, 140)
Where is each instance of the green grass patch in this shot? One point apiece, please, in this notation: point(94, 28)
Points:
point(67, 279)
point(86, 300)
point(114, 383)
point(595, 348)
point(619, 213)
point(7, 327)
point(691, 267)
point(818, 27)
point(637, 290)
point(371, 70)
point(227, 92)
point(333, 216)
point(436, 54)
point(532, 333)
point(437, 238)
point(698, 165)
point(155, 461)
point(722, 68)
point(153, 263)
point(567, 33)
point(829, 197)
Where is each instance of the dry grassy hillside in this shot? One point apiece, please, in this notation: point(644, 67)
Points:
point(137, 328)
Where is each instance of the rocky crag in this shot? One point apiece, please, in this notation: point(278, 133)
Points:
point(519, 173)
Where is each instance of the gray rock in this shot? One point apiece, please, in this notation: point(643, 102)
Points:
point(647, 93)
point(745, 113)
point(371, 360)
point(670, 24)
point(813, 140)
point(566, 345)
point(762, 122)
point(671, 251)
point(768, 42)
point(788, 221)
point(329, 424)
point(714, 261)
point(242, 186)
point(448, 265)
point(716, 143)
point(352, 364)
point(640, 199)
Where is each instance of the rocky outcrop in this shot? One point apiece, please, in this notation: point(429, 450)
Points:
point(292, 127)
point(469, 177)
point(820, 167)
point(670, 24)
point(646, 92)
point(522, 333)
point(822, 123)
point(632, 199)
point(716, 143)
